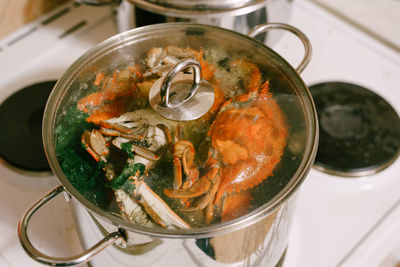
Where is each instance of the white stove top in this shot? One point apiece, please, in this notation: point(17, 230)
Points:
point(346, 221)
point(34, 54)
point(338, 221)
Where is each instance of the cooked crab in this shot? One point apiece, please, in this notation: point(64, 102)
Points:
point(235, 163)
point(134, 197)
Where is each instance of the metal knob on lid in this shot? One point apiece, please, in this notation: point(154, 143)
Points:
point(182, 95)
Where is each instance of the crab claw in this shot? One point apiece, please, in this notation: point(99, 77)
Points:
point(127, 123)
point(205, 188)
point(121, 127)
point(199, 188)
point(185, 150)
point(137, 149)
point(158, 210)
point(131, 209)
point(151, 152)
point(95, 143)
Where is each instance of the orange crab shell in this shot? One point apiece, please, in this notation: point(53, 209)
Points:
point(114, 96)
point(249, 141)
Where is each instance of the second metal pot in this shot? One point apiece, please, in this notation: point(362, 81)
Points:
point(237, 15)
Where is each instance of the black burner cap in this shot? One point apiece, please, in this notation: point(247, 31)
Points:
point(21, 132)
point(359, 130)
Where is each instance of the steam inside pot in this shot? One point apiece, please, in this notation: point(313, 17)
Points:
point(125, 158)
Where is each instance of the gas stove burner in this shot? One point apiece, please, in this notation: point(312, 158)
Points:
point(21, 119)
point(359, 130)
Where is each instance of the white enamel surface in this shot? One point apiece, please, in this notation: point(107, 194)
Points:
point(379, 18)
point(338, 221)
point(345, 221)
point(38, 57)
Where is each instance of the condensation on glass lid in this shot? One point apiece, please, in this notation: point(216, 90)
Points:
point(126, 158)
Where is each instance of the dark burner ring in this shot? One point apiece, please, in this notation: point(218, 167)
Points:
point(21, 119)
point(359, 130)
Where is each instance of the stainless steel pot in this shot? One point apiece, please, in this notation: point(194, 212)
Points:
point(236, 15)
point(258, 237)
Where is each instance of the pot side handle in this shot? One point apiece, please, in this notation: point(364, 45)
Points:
point(59, 261)
point(282, 26)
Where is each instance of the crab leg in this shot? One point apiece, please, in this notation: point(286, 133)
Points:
point(141, 151)
point(177, 173)
point(144, 152)
point(183, 156)
point(123, 125)
point(157, 208)
point(198, 189)
point(115, 133)
point(208, 198)
point(202, 186)
point(151, 204)
point(191, 178)
point(117, 127)
point(167, 133)
point(128, 125)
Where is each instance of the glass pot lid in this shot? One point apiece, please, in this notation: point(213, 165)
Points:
point(155, 175)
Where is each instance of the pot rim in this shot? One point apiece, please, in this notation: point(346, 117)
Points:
point(49, 120)
point(200, 11)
